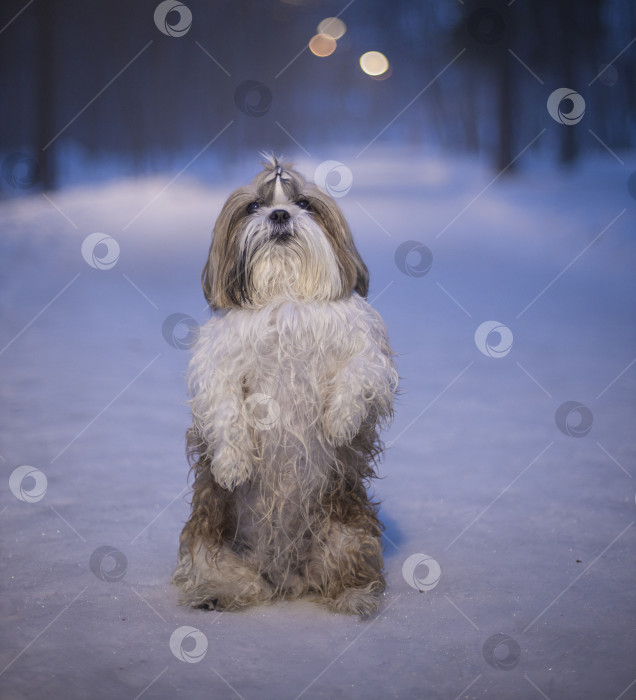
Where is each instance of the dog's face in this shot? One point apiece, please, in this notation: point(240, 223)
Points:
point(281, 237)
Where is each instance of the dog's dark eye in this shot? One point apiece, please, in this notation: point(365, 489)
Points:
point(251, 208)
point(303, 204)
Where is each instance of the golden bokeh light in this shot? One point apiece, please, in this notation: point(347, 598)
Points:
point(322, 45)
point(374, 63)
point(333, 27)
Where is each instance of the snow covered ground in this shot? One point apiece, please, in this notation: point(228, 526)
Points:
point(532, 528)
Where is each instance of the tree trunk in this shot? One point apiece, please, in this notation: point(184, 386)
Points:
point(505, 104)
point(44, 101)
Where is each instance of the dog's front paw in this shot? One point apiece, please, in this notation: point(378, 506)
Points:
point(230, 467)
point(342, 419)
point(355, 601)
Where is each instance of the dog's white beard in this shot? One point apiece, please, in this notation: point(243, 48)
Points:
point(303, 267)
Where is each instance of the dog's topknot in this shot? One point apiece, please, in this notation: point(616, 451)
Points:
point(277, 167)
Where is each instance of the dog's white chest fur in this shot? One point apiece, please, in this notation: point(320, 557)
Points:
point(290, 379)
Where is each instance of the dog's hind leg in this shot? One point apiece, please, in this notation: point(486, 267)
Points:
point(209, 572)
point(218, 579)
point(346, 568)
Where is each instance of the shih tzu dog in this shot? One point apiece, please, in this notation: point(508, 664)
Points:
point(290, 381)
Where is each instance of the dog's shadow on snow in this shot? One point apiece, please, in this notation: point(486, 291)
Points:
point(393, 536)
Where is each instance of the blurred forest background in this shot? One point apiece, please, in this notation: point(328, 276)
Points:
point(93, 90)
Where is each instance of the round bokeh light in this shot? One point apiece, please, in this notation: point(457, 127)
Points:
point(374, 63)
point(333, 27)
point(322, 45)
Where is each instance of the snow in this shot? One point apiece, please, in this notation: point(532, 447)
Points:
point(532, 529)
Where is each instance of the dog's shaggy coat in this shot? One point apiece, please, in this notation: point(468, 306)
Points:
point(290, 381)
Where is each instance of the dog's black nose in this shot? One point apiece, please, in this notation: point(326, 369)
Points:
point(279, 216)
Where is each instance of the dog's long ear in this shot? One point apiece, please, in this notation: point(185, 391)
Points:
point(362, 281)
point(221, 279)
point(207, 281)
point(355, 275)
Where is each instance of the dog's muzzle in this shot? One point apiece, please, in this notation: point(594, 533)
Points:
point(280, 225)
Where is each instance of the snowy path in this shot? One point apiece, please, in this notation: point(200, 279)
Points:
point(533, 529)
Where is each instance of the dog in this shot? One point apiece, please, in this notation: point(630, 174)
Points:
point(290, 382)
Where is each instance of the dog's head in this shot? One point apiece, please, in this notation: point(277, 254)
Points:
point(281, 237)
